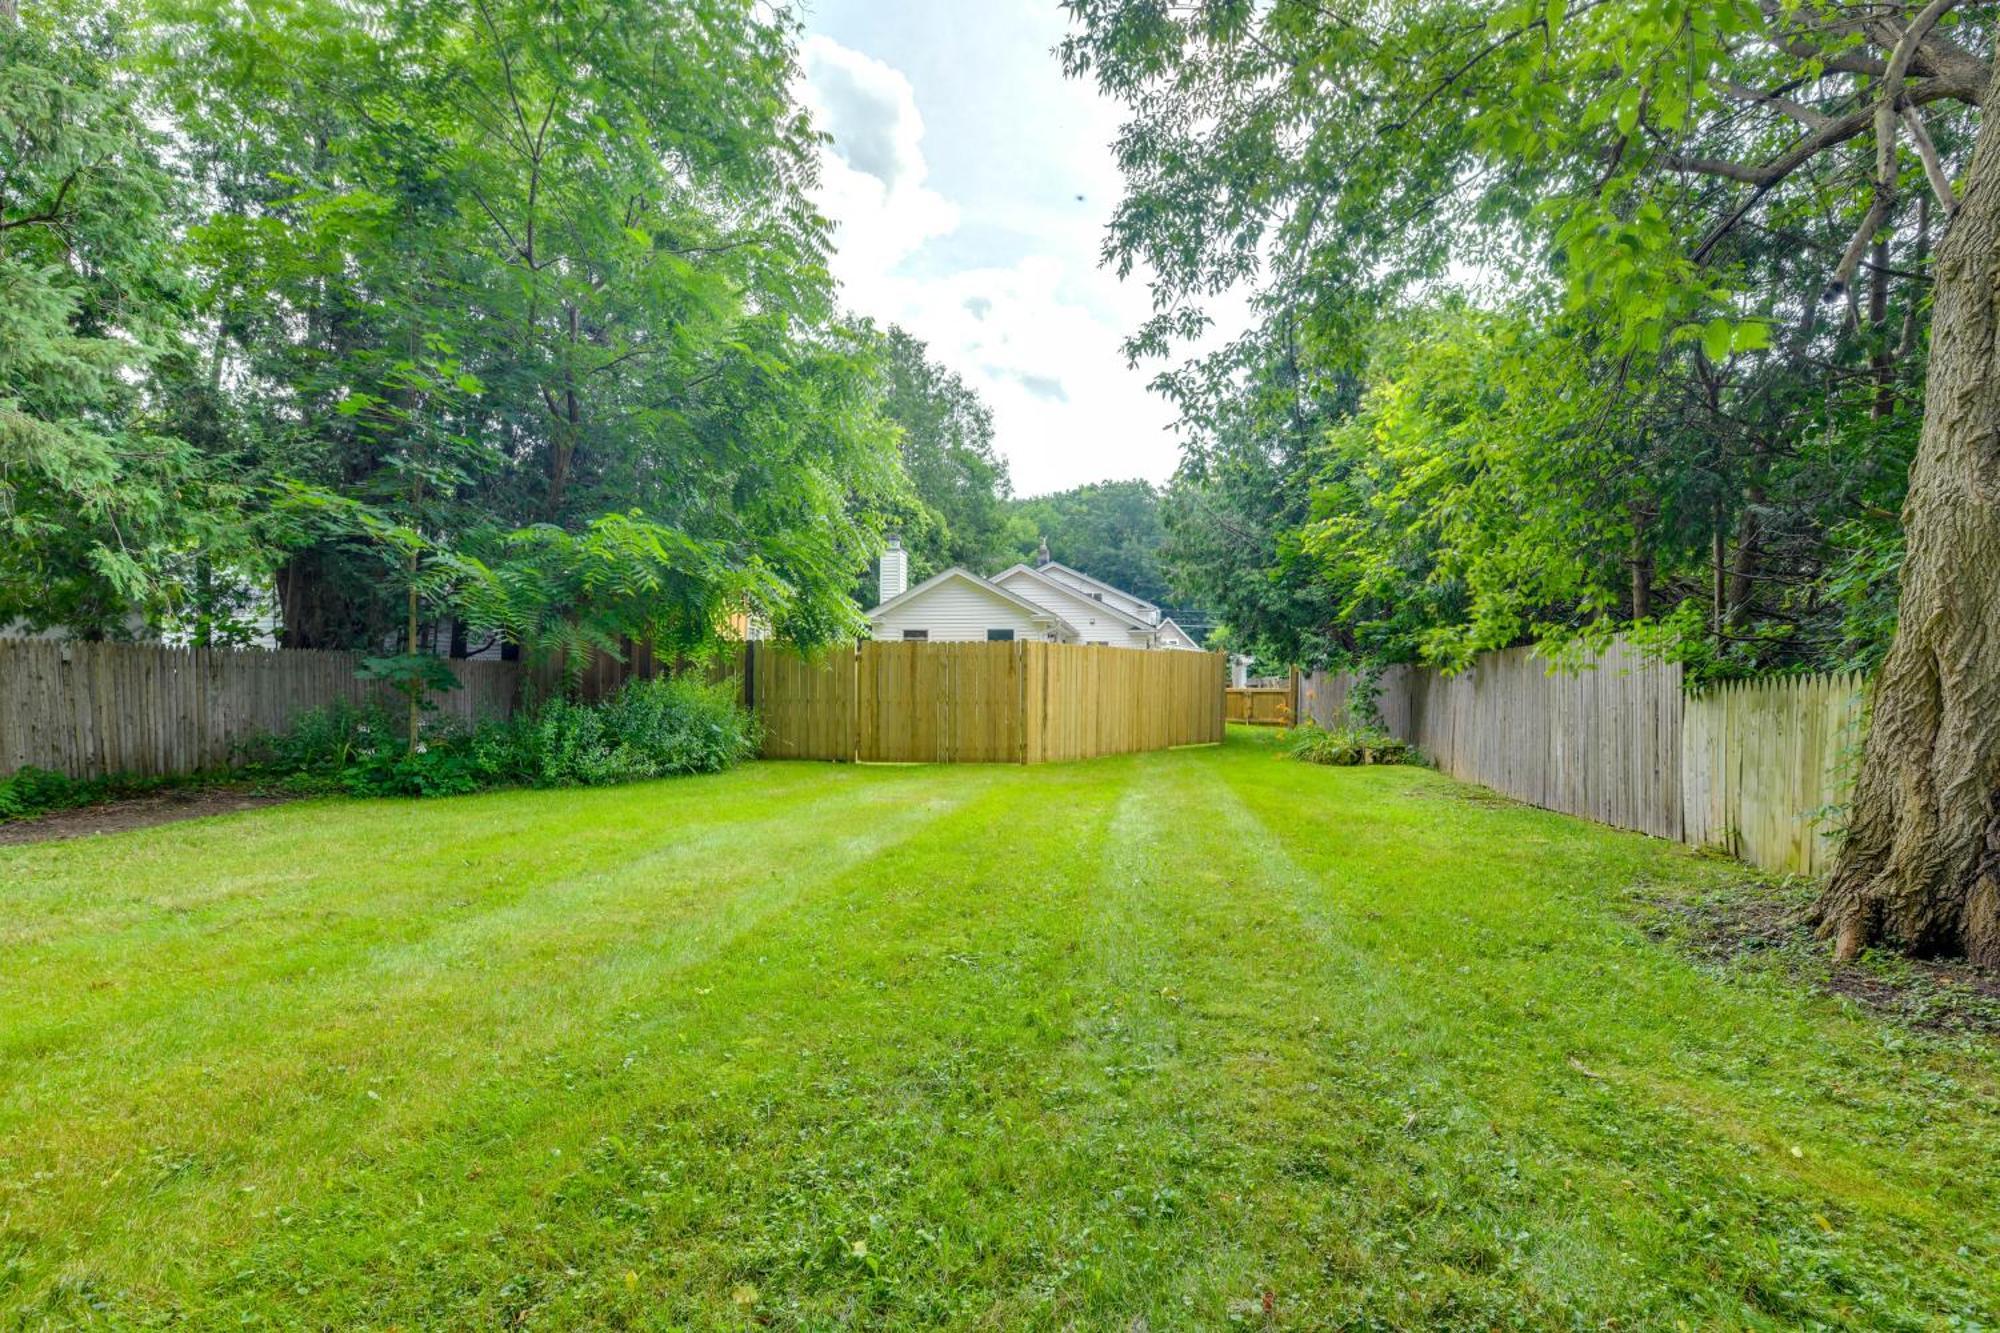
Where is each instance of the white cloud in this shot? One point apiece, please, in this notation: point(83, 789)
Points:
point(872, 176)
point(1066, 408)
point(1002, 282)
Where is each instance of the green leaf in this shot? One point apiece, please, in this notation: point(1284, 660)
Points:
point(1716, 337)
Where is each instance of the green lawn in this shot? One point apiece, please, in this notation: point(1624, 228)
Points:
point(1174, 1041)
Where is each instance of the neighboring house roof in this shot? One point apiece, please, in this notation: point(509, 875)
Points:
point(1082, 577)
point(1169, 624)
point(1117, 613)
point(1035, 610)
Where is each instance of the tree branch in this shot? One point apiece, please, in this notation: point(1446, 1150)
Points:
point(1798, 111)
point(1933, 168)
point(1887, 111)
point(1768, 175)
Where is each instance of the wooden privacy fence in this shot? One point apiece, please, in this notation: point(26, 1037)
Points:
point(1767, 768)
point(1019, 702)
point(1263, 705)
point(1757, 770)
point(92, 709)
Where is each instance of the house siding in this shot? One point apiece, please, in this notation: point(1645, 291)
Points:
point(1093, 623)
point(957, 612)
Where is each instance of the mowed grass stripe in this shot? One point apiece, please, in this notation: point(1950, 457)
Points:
point(360, 897)
point(783, 1128)
point(1191, 1061)
point(1649, 1106)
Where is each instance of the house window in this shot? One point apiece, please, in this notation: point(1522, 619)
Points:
point(915, 635)
point(999, 636)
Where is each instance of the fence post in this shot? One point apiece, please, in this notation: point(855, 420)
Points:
point(1021, 698)
point(854, 704)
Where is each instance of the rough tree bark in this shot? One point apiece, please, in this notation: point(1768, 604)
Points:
point(1921, 866)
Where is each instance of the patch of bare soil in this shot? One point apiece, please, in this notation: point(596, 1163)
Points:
point(1749, 922)
point(134, 812)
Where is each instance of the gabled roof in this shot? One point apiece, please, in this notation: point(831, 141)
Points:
point(1035, 610)
point(1178, 630)
point(1134, 621)
point(1099, 583)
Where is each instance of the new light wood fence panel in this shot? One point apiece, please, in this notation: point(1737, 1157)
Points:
point(906, 698)
point(1018, 702)
point(1261, 707)
point(984, 723)
point(1089, 700)
point(149, 710)
point(1769, 768)
point(805, 704)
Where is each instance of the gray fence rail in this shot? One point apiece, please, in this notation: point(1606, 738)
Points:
point(1761, 771)
point(92, 709)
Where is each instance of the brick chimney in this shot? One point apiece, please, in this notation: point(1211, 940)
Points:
point(895, 569)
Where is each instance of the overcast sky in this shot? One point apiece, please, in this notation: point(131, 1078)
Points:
point(971, 183)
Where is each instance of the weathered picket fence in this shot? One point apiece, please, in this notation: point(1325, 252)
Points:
point(1759, 770)
point(147, 709)
point(1767, 768)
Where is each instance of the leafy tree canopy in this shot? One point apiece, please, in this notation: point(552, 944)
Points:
point(1110, 530)
point(955, 510)
point(469, 274)
point(102, 503)
point(1700, 239)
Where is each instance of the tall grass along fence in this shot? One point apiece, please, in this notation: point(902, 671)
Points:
point(1760, 770)
point(1019, 702)
point(95, 709)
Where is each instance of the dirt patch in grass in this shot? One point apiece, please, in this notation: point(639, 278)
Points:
point(1755, 922)
point(135, 812)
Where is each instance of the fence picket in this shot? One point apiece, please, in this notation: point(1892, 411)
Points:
point(1746, 766)
point(94, 709)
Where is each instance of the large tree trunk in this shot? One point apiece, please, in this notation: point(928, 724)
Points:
point(1921, 866)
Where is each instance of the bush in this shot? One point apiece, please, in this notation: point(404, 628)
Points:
point(1349, 746)
point(33, 791)
point(649, 729)
point(325, 742)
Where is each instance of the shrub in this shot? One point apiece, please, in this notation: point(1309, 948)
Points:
point(682, 725)
point(651, 728)
point(1350, 746)
point(565, 744)
point(325, 742)
point(33, 791)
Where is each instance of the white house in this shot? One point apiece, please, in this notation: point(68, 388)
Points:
point(1043, 601)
